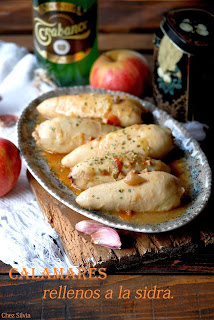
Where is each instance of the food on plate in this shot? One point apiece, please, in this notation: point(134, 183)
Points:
point(124, 70)
point(112, 167)
point(117, 110)
point(10, 166)
point(116, 170)
point(151, 191)
point(150, 140)
point(64, 134)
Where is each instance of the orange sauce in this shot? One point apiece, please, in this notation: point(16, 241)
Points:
point(178, 167)
point(151, 217)
point(54, 161)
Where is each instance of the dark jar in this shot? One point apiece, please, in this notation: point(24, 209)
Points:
point(183, 74)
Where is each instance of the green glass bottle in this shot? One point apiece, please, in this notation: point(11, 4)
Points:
point(65, 39)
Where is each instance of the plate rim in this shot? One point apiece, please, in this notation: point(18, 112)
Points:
point(145, 228)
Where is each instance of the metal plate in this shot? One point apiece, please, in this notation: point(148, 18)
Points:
point(200, 172)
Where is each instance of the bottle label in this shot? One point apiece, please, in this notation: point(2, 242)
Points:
point(63, 32)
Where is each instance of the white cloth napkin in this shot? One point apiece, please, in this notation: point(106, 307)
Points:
point(26, 239)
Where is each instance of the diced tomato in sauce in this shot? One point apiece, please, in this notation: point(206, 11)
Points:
point(113, 120)
point(118, 164)
point(104, 172)
point(98, 138)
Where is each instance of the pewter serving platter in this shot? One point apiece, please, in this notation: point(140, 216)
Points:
point(200, 172)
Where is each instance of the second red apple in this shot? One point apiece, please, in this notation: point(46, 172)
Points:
point(123, 70)
point(10, 166)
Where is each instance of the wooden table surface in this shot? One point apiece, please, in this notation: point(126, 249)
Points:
point(189, 278)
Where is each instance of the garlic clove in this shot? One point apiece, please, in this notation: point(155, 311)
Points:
point(88, 226)
point(8, 120)
point(106, 237)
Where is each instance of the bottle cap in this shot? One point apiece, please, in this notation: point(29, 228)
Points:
point(191, 30)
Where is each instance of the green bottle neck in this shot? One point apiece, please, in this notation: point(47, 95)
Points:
point(86, 4)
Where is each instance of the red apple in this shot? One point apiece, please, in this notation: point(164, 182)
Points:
point(10, 166)
point(123, 70)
